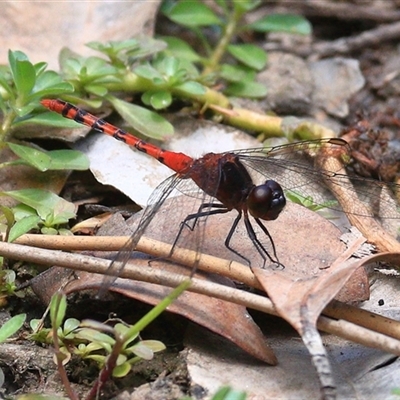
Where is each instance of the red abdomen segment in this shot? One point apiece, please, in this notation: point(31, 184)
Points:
point(178, 162)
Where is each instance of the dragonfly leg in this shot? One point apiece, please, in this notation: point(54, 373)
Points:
point(218, 209)
point(265, 230)
point(229, 237)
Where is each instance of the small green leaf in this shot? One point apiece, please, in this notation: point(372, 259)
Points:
point(227, 393)
point(249, 54)
point(97, 90)
point(92, 335)
point(23, 226)
point(8, 214)
point(64, 232)
point(157, 99)
point(144, 121)
point(48, 231)
point(114, 47)
point(11, 326)
point(35, 158)
point(35, 324)
point(24, 74)
point(192, 14)
point(154, 345)
point(236, 73)
point(22, 210)
point(246, 5)
point(169, 66)
point(142, 351)
point(49, 119)
point(191, 87)
point(246, 89)
point(70, 325)
point(180, 49)
point(48, 84)
point(89, 348)
point(121, 370)
point(147, 71)
point(44, 202)
point(68, 159)
point(282, 23)
point(308, 201)
point(58, 306)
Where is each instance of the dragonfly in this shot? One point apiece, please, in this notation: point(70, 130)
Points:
point(251, 182)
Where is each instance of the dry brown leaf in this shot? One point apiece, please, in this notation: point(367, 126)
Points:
point(229, 320)
point(300, 301)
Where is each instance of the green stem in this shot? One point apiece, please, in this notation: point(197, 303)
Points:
point(131, 83)
point(6, 125)
point(226, 38)
point(157, 310)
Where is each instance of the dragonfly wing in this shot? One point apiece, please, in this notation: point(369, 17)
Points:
point(296, 169)
point(156, 200)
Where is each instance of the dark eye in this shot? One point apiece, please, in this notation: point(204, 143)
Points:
point(266, 201)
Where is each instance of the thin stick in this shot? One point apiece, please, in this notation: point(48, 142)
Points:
point(207, 263)
point(95, 265)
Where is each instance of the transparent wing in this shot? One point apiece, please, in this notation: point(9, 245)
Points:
point(156, 200)
point(295, 168)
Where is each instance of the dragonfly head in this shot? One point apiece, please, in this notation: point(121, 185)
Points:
point(266, 201)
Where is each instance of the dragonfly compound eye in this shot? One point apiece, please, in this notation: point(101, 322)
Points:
point(266, 201)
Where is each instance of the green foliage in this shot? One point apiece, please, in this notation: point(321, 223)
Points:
point(396, 391)
point(225, 393)
point(308, 201)
point(11, 326)
point(133, 349)
point(47, 160)
point(145, 121)
point(39, 209)
point(192, 14)
point(282, 23)
point(195, 15)
point(99, 341)
point(160, 70)
point(22, 85)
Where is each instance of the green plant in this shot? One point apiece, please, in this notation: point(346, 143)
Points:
point(159, 70)
point(162, 70)
point(132, 351)
point(8, 329)
point(39, 209)
point(114, 348)
point(308, 201)
point(396, 391)
point(11, 326)
point(228, 26)
point(225, 393)
point(22, 85)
